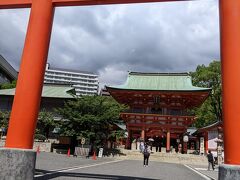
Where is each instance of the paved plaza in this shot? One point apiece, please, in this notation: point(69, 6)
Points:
point(56, 166)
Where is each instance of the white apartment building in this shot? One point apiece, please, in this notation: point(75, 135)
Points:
point(85, 83)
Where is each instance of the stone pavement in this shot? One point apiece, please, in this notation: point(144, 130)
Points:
point(167, 157)
point(203, 169)
point(55, 166)
point(196, 163)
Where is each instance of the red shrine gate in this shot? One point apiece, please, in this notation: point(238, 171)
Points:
point(30, 80)
point(158, 104)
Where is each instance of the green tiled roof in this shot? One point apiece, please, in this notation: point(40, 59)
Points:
point(50, 91)
point(159, 82)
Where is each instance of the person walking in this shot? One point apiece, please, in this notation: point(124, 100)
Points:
point(210, 160)
point(146, 154)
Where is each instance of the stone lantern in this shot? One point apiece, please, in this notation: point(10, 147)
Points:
point(219, 142)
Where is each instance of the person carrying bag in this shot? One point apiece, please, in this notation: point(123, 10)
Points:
point(146, 154)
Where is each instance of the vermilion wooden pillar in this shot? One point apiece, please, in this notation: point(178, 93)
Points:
point(206, 141)
point(28, 92)
point(30, 79)
point(143, 134)
point(168, 142)
point(230, 58)
point(128, 140)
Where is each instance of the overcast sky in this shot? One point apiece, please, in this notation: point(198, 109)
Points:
point(114, 39)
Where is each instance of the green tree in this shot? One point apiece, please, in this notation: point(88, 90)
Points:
point(4, 119)
point(90, 117)
point(210, 77)
point(46, 123)
point(8, 85)
point(116, 135)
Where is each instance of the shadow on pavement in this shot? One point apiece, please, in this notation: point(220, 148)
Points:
point(84, 175)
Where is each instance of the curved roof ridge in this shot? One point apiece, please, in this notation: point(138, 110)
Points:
point(159, 82)
point(159, 73)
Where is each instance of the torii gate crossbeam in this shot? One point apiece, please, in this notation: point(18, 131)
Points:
point(29, 86)
point(8, 4)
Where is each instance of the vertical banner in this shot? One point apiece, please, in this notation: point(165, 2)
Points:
point(201, 145)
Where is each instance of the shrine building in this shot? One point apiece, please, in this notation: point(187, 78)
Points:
point(159, 105)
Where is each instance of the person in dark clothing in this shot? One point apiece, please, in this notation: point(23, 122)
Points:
point(210, 160)
point(146, 154)
point(176, 148)
point(158, 144)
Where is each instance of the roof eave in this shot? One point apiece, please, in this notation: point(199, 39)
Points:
point(190, 90)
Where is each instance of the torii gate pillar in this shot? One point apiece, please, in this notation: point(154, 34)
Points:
point(29, 86)
point(230, 59)
point(18, 153)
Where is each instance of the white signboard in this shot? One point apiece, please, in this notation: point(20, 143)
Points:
point(100, 153)
point(201, 145)
point(212, 136)
point(185, 138)
point(83, 141)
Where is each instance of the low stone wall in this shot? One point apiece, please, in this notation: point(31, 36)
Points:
point(43, 146)
point(2, 143)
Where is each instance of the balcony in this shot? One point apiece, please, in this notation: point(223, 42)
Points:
point(160, 112)
point(156, 120)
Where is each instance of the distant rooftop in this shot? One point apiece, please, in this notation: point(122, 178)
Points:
point(159, 74)
point(212, 126)
point(159, 82)
point(49, 91)
point(8, 70)
point(69, 70)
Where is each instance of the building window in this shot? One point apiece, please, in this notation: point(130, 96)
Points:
point(156, 99)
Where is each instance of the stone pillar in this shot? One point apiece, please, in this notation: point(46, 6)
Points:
point(228, 172)
point(17, 163)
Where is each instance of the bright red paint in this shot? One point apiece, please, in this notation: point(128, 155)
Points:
point(26, 103)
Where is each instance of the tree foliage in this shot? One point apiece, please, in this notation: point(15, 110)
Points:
point(8, 85)
point(90, 117)
point(4, 119)
point(209, 77)
point(46, 123)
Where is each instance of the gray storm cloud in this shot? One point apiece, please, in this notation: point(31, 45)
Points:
point(111, 40)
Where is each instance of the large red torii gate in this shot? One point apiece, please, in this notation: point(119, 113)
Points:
point(30, 80)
